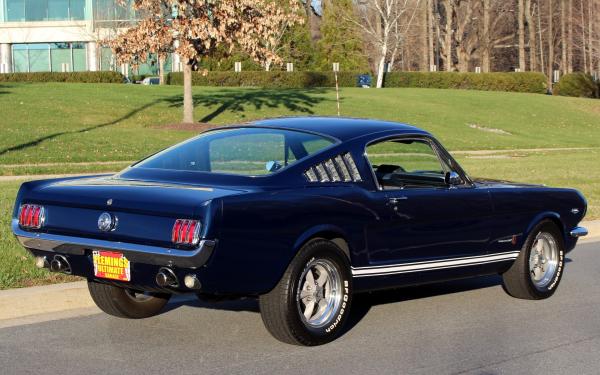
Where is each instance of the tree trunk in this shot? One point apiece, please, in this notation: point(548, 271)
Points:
point(449, 8)
point(541, 40)
point(485, 53)
point(583, 44)
point(381, 65)
point(425, 39)
point(430, 33)
point(161, 70)
point(532, 38)
point(550, 44)
point(188, 100)
point(521, 34)
point(570, 37)
point(563, 36)
point(590, 37)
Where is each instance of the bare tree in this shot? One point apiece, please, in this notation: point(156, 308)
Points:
point(379, 21)
point(521, 34)
point(550, 42)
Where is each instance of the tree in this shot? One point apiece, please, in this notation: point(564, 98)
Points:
point(379, 21)
point(340, 40)
point(195, 29)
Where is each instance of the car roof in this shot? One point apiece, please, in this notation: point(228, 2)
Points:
point(342, 128)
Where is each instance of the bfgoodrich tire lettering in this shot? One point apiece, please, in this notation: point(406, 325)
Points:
point(283, 309)
point(538, 270)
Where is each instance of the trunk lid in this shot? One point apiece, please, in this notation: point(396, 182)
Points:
point(145, 211)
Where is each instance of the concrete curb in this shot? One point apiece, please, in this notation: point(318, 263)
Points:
point(20, 306)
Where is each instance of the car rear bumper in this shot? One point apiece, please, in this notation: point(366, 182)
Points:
point(159, 256)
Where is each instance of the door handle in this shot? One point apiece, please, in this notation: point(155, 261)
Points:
point(396, 200)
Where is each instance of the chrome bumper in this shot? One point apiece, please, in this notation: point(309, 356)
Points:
point(159, 256)
point(578, 232)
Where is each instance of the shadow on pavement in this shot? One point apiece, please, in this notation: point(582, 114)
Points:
point(362, 302)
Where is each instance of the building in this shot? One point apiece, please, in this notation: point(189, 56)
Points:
point(63, 36)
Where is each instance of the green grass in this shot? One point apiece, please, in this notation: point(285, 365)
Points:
point(66, 123)
point(57, 122)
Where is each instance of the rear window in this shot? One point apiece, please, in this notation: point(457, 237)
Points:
point(242, 151)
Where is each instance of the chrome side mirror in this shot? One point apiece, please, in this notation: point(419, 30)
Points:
point(452, 179)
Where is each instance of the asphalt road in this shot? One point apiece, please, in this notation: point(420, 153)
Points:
point(465, 327)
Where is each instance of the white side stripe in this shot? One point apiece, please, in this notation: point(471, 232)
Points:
point(433, 265)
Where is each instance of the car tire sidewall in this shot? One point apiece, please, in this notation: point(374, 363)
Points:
point(550, 289)
point(330, 331)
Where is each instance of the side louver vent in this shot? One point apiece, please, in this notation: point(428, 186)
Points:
point(340, 168)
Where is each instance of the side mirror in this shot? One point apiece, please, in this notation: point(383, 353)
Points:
point(453, 179)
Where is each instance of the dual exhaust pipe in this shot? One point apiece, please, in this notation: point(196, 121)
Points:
point(165, 278)
point(59, 263)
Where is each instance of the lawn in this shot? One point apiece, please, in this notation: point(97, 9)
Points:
point(57, 122)
point(80, 128)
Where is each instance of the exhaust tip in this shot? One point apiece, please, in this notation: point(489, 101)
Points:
point(166, 278)
point(60, 264)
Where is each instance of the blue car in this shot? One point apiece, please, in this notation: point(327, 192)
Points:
point(302, 213)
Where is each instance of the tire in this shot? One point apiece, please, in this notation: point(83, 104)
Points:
point(533, 276)
point(284, 309)
point(126, 303)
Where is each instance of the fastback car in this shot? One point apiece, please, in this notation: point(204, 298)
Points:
point(300, 212)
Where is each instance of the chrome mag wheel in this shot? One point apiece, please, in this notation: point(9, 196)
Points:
point(319, 293)
point(543, 260)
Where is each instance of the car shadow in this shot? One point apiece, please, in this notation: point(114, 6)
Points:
point(362, 302)
point(239, 101)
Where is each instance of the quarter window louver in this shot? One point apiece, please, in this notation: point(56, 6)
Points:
point(341, 168)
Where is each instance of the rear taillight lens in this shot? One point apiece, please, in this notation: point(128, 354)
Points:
point(186, 232)
point(32, 216)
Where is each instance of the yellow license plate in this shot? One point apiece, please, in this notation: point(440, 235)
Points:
point(111, 265)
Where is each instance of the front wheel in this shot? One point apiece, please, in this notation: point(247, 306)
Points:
point(538, 270)
point(311, 302)
point(126, 303)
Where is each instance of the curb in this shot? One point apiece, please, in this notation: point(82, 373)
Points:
point(21, 306)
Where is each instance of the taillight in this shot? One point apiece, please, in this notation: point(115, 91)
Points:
point(32, 216)
point(186, 232)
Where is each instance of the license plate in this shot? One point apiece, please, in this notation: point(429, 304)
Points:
point(111, 265)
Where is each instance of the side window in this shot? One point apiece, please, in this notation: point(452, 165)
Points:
point(406, 163)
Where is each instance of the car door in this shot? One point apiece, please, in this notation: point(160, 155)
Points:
point(426, 218)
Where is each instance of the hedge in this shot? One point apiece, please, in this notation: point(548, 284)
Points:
point(81, 77)
point(272, 79)
point(517, 82)
point(577, 84)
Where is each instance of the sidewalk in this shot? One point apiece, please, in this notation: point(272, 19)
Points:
point(21, 306)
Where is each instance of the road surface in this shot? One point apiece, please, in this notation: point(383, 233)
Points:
point(464, 327)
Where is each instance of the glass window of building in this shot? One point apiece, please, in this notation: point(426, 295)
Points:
point(44, 10)
point(15, 10)
point(58, 10)
point(77, 9)
point(60, 56)
point(20, 59)
point(36, 10)
point(78, 50)
point(39, 58)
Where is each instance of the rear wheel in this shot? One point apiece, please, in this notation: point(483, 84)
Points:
point(538, 270)
point(126, 303)
point(311, 302)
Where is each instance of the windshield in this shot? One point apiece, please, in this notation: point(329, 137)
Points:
point(243, 151)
